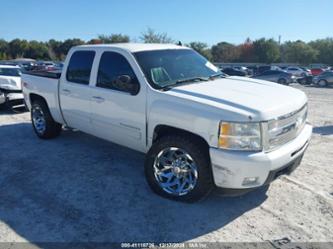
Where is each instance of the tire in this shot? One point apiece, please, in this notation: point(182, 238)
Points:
point(282, 81)
point(322, 83)
point(196, 162)
point(43, 124)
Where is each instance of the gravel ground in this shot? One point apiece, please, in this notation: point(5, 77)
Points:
point(80, 188)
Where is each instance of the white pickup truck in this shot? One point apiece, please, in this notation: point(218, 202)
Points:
point(199, 128)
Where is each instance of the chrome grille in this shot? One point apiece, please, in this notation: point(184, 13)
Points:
point(286, 128)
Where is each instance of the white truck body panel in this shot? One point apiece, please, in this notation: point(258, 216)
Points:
point(197, 108)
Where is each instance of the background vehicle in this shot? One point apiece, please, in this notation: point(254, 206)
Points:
point(316, 71)
point(306, 70)
point(10, 85)
point(233, 72)
point(296, 71)
point(199, 128)
point(307, 80)
point(324, 79)
point(276, 76)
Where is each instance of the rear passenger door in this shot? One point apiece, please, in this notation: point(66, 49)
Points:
point(75, 92)
point(117, 114)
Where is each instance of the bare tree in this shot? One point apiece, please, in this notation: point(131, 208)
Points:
point(150, 36)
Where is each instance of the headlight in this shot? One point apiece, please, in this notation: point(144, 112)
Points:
point(240, 136)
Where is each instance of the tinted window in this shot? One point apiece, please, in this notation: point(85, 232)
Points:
point(111, 66)
point(10, 72)
point(79, 67)
point(269, 72)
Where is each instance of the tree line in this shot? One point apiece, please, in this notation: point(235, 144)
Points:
point(258, 51)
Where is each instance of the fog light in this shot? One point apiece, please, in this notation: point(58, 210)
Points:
point(248, 181)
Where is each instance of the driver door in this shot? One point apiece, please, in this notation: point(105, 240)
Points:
point(118, 114)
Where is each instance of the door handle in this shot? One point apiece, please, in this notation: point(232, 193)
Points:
point(98, 99)
point(66, 91)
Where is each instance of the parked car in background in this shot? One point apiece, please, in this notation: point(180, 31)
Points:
point(198, 128)
point(262, 69)
point(233, 72)
point(296, 71)
point(44, 66)
point(316, 71)
point(306, 80)
point(306, 70)
point(278, 76)
point(10, 85)
point(244, 69)
point(252, 69)
point(324, 79)
point(265, 68)
point(26, 66)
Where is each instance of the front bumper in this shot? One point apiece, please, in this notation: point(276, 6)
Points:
point(10, 95)
point(246, 170)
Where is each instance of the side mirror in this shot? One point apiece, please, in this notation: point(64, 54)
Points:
point(128, 84)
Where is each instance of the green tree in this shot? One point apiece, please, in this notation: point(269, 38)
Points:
point(150, 36)
point(3, 49)
point(114, 38)
point(202, 48)
point(299, 52)
point(266, 51)
point(37, 50)
point(325, 50)
point(225, 52)
point(17, 48)
point(68, 44)
point(54, 49)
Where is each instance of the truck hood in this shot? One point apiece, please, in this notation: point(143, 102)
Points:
point(10, 83)
point(256, 99)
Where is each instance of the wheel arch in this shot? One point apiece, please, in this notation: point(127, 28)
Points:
point(35, 97)
point(164, 130)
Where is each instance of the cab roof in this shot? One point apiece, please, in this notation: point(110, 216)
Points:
point(136, 47)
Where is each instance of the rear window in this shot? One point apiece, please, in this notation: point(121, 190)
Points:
point(79, 67)
point(10, 72)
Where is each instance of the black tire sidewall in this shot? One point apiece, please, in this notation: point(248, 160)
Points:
point(52, 129)
point(325, 83)
point(282, 81)
point(201, 158)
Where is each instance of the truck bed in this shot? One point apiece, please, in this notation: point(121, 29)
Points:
point(48, 74)
point(44, 84)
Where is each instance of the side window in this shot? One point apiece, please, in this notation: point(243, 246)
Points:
point(79, 67)
point(114, 72)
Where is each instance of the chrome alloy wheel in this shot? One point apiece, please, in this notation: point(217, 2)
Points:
point(38, 119)
point(175, 171)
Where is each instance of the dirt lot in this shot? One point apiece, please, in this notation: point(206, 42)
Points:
point(80, 188)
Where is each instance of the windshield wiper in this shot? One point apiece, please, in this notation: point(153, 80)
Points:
point(184, 81)
point(217, 75)
point(192, 80)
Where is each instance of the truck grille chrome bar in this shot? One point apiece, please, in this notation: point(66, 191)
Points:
point(285, 128)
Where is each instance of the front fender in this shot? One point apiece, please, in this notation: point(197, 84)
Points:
point(191, 118)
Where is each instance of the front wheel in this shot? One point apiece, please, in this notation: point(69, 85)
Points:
point(44, 125)
point(179, 168)
point(282, 81)
point(322, 83)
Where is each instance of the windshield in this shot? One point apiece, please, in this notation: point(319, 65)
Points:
point(10, 72)
point(164, 68)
